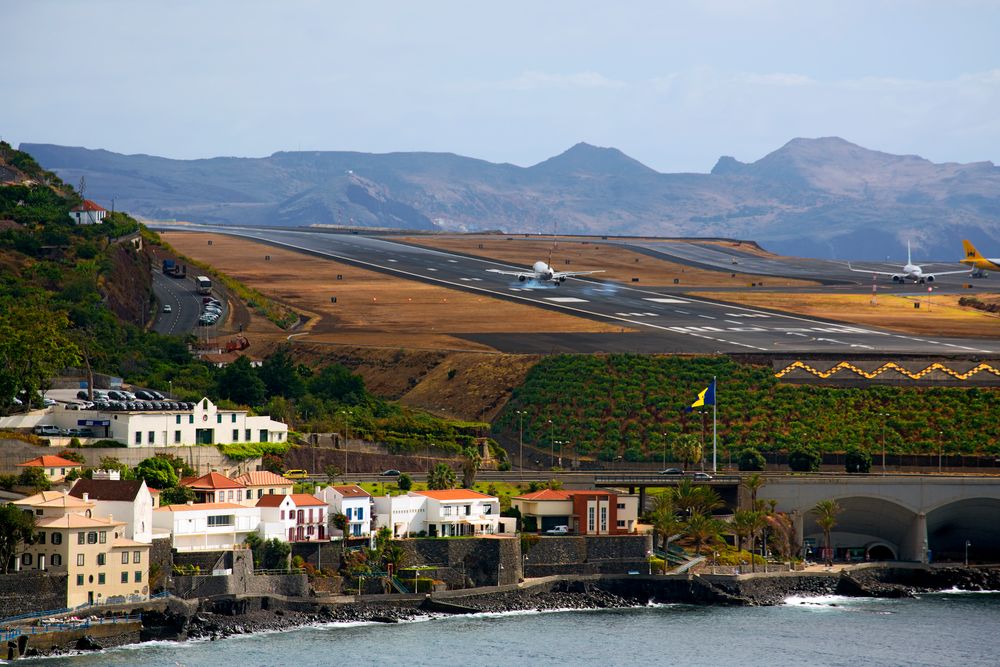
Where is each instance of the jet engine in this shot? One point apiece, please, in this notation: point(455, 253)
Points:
point(928, 278)
point(521, 278)
point(897, 279)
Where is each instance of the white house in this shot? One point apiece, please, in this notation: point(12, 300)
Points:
point(260, 483)
point(88, 213)
point(206, 526)
point(124, 500)
point(453, 512)
point(353, 502)
point(297, 517)
point(404, 515)
point(205, 424)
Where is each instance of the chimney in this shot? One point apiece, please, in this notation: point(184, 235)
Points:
point(190, 502)
point(86, 497)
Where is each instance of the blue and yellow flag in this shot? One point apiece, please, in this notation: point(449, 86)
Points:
point(705, 397)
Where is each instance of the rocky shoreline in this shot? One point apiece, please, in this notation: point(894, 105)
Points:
point(204, 620)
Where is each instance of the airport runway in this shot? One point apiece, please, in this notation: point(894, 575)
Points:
point(666, 321)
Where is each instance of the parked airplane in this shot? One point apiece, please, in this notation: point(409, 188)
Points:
point(977, 261)
point(542, 272)
point(910, 272)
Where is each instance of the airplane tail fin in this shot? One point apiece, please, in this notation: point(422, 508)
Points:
point(908, 259)
point(971, 254)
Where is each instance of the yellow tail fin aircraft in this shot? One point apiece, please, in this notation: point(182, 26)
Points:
point(977, 261)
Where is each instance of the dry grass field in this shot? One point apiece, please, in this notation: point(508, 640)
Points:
point(618, 263)
point(372, 309)
point(938, 314)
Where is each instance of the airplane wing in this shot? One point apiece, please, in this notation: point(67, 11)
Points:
point(519, 274)
point(947, 273)
point(881, 273)
point(570, 274)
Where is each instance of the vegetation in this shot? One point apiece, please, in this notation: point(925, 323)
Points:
point(804, 459)
point(857, 461)
point(269, 554)
point(631, 406)
point(441, 477)
point(35, 479)
point(241, 451)
point(826, 512)
point(16, 528)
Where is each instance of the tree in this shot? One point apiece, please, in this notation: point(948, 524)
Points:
point(35, 478)
point(826, 512)
point(405, 482)
point(743, 525)
point(341, 523)
point(663, 516)
point(16, 528)
point(70, 455)
point(239, 382)
point(157, 471)
point(34, 346)
point(754, 483)
point(690, 498)
point(856, 460)
point(112, 463)
point(687, 447)
point(335, 382)
point(332, 472)
point(470, 466)
point(275, 554)
point(281, 375)
point(176, 495)
point(702, 530)
point(804, 459)
point(272, 463)
point(441, 477)
point(750, 459)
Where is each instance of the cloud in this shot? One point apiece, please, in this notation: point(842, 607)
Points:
point(535, 80)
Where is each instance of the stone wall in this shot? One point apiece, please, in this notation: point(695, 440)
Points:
point(588, 555)
point(468, 561)
point(320, 555)
point(242, 581)
point(206, 560)
point(162, 555)
point(31, 590)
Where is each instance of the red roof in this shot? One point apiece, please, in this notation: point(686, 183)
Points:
point(549, 494)
point(89, 205)
point(211, 482)
point(262, 478)
point(50, 461)
point(298, 499)
point(352, 491)
point(453, 494)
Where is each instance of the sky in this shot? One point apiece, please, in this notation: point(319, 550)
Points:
point(673, 84)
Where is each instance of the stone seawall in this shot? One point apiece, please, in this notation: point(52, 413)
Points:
point(468, 562)
point(611, 554)
point(242, 581)
point(29, 591)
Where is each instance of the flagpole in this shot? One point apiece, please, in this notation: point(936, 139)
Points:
point(714, 405)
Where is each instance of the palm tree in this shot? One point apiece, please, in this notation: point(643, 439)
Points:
point(753, 483)
point(702, 530)
point(688, 447)
point(664, 517)
point(743, 526)
point(441, 477)
point(470, 466)
point(826, 512)
point(685, 497)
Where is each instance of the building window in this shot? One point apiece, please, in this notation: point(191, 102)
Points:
point(190, 419)
point(447, 510)
point(468, 510)
point(40, 538)
point(218, 419)
point(230, 494)
point(56, 558)
point(124, 577)
point(233, 417)
point(621, 506)
point(487, 509)
point(136, 556)
point(138, 437)
point(100, 579)
point(177, 419)
point(79, 580)
point(220, 520)
point(25, 559)
point(81, 538)
point(260, 493)
point(246, 435)
point(604, 518)
point(591, 523)
point(152, 438)
point(56, 538)
point(177, 436)
point(282, 514)
point(236, 435)
point(92, 537)
point(263, 435)
point(101, 559)
point(80, 560)
point(249, 492)
point(360, 513)
point(621, 523)
point(124, 558)
point(103, 539)
point(137, 576)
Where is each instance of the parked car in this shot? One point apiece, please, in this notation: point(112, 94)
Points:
point(558, 530)
point(157, 396)
point(672, 471)
point(702, 475)
point(116, 395)
point(167, 308)
point(392, 472)
point(79, 432)
point(46, 429)
point(82, 395)
point(144, 395)
point(48, 402)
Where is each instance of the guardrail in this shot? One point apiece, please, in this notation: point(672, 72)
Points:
point(7, 634)
point(656, 479)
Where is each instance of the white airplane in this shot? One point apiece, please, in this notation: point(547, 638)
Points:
point(910, 272)
point(542, 272)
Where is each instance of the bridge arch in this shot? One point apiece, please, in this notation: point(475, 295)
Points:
point(951, 524)
point(870, 526)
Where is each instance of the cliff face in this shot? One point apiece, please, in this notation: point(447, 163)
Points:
point(128, 288)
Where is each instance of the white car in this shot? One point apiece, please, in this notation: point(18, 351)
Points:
point(558, 530)
point(167, 308)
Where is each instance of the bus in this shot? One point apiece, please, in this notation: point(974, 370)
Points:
point(296, 474)
point(204, 285)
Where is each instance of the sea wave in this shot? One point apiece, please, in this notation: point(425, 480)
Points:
point(954, 590)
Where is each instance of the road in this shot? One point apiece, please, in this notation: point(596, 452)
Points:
point(666, 321)
point(185, 305)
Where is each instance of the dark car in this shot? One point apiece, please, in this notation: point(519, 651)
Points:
point(117, 395)
point(82, 395)
point(144, 395)
point(155, 394)
point(391, 473)
point(672, 471)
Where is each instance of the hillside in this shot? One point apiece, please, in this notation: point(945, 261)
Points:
point(813, 197)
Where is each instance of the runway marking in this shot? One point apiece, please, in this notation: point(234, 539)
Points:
point(707, 317)
point(565, 299)
point(431, 268)
point(665, 300)
point(746, 329)
point(392, 260)
point(693, 329)
point(747, 315)
point(453, 261)
point(478, 280)
point(681, 312)
point(638, 314)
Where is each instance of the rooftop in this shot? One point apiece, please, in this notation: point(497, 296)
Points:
point(298, 499)
point(89, 205)
point(549, 494)
point(50, 461)
point(197, 507)
point(211, 482)
point(454, 494)
point(76, 521)
point(107, 489)
point(262, 478)
point(352, 491)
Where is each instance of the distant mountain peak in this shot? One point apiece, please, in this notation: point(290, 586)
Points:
point(584, 157)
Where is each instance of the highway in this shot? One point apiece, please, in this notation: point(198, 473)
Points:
point(185, 305)
point(665, 320)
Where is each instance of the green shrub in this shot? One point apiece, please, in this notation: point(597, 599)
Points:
point(241, 451)
point(804, 460)
point(856, 460)
point(750, 460)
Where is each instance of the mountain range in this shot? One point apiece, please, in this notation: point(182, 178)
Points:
point(821, 197)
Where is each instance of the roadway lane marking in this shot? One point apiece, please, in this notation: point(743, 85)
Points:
point(666, 300)
point(430, 268)
point(477, 280)
point(747, 315)
point(392, 260)
point(564, 299)
point(707, 317)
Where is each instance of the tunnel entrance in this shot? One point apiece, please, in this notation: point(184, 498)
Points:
point(973, 520)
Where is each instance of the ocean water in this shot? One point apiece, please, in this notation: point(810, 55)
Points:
point(947, 629)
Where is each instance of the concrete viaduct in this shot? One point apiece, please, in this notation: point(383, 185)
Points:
point(884, 517)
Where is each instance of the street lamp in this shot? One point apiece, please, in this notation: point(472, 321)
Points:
point(171, 390)
point(649, 561)
point(347, 437)
point(883, 415)
point(940, 448)
point(967, 545)
point(520, 439)
point(553, 454)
